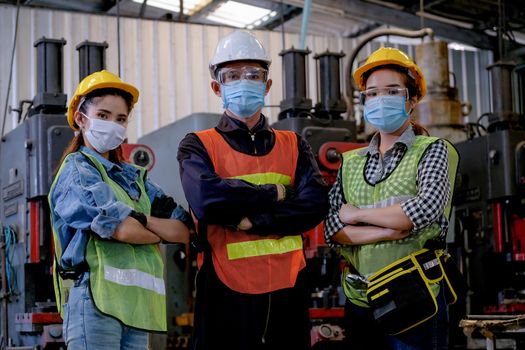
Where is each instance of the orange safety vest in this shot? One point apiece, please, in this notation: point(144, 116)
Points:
point(249, 263)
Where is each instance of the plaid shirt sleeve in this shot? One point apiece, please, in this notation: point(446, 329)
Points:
point(333, 224)
point(433, 188)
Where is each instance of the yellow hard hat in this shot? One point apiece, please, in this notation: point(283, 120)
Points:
point(98, 80)
point(389, 55)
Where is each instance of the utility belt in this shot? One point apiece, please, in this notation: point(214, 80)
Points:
point(72, 274)
point(403, 294)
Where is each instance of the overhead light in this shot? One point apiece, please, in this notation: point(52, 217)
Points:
point(461, 47)
point(239, 15)
point(189, 6)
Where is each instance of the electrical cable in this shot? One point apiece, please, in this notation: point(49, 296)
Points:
point(10, 246)
point(11, 68)
point(27, 110)
point(478, 123)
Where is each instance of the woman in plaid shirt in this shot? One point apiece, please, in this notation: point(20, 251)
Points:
point(390, 198)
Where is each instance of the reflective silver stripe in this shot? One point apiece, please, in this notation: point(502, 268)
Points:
point(387, 202)
point(430, 264)
point(134, 277)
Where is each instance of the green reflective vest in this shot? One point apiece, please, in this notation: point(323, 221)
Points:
point(399, 186)
point(126, 280)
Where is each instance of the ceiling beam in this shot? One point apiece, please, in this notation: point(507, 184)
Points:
point(384, 15)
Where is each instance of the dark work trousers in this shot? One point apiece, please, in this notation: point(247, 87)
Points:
point(225, 319)
point(362, 333)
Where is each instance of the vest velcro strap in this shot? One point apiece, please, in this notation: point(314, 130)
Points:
point(262, 247)
point(134, 277)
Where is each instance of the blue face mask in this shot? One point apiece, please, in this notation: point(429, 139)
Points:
point(243, 97)
point(386, 113)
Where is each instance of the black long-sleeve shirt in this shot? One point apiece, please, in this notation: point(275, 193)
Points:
point(223, 201)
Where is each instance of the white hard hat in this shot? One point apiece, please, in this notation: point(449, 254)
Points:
point(239, 45)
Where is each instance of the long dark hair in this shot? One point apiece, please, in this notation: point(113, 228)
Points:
point(92, 98)
point(412, 88)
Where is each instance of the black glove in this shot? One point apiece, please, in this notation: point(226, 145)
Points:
point(162, 207)
point(140, 217)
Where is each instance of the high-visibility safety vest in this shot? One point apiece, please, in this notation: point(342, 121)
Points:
point(126, 280)
point(249, 263)
point(399, 186)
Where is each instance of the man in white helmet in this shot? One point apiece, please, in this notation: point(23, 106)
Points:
point(253, 191)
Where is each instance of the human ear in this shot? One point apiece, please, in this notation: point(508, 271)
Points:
point(80, 120)
point(216, 87)
point(268, 86)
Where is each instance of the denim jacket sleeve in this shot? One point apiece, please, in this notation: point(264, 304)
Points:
point(83, 201)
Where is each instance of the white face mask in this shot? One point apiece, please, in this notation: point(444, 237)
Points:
point(104, 135)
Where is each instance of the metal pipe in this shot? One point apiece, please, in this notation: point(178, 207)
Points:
point(350, 85)
point(307, 9)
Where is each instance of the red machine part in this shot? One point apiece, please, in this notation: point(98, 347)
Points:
point(313, 239)
point(330, 160)
point(497, 219)
point(38, 318)
point(35, 227)
point(334, 312)
point(330, 153)
point(139, 154)
point(518, 238)
point(326, 332)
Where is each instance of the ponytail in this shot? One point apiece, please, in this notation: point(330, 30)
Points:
point(419, 129)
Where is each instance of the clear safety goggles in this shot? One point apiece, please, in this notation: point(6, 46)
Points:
point(227, 76)
point(370, 94)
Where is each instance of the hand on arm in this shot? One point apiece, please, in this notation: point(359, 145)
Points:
point(163, 224)
point(392, 217)
point(356, 235)
point(245, 224)
point(208, 194)
point(132, 231)
point(169, 230)
point(305, 203)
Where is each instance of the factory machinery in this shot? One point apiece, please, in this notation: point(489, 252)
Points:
point(487, 229)
point(490, 206)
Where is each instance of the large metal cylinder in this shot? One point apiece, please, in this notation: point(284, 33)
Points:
point(329, 85)
point(440, 111)
point(501, 77)
point(294, 63)
point(520, 74)
point(296, 99)
point(49, 64)
point(49, 97)
point(91, 58)
point(432, 58)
